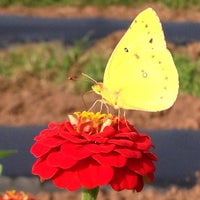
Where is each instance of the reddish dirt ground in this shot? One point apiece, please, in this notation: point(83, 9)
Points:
point(30, 101)
point(33, 102)
point(122, 12)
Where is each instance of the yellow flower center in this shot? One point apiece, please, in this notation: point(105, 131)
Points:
point(90, 122)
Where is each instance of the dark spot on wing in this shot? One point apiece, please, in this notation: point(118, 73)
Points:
point(151, 40)
point(136, 56)
point(144, 74)
point(126, 50)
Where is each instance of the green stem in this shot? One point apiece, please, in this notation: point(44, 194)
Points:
point(90, 194)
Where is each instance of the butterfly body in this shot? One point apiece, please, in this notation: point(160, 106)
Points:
point(140, 73)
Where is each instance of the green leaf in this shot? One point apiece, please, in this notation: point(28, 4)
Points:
point(1, 169)
point(4, 153)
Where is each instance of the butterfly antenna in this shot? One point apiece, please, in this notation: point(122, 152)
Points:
point(90, 78)
point(74, 78)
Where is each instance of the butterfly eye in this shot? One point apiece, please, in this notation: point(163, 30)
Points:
point(97, 88)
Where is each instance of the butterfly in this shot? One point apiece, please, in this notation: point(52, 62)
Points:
point(140, 74)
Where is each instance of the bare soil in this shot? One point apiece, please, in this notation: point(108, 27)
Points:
point(30, 101)
point(119, 12)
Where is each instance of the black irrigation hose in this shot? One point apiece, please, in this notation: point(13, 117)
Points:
point(16, 29)
point(177, 150)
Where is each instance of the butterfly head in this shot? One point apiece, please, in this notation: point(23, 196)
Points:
point(108, 97)
point(97, 88)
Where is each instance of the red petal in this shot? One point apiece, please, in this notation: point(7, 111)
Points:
point(39, 149)
point(111, 159)
point(128, 153)
point(52, 141)
point(143, 142)
point(92, 174)
point(99, 148)
point(121, 142)
point(141, 166)
point(151, 177)
point(70, 128)
point(140, 184)
point(96, 138)
point(52, 125)
point(46, 133)
point(67, 179)
point(129, 135)
point(58, 159)
point(78, 152)
point(124, 179)
point(41, 168)
point(72, 138)
point(108, 131)
point(151, 155)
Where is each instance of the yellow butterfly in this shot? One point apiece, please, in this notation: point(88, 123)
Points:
point(140, 74)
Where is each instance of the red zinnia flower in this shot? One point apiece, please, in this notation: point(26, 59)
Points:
point(93, 150)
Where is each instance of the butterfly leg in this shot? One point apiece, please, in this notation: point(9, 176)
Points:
point(94, 104)
point(118, 116)
point(126, 121)
point(103, 103)
point(107, 108)
point(101, 108)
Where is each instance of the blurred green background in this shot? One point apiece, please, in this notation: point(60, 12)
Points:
point(169, 3)
point(52, 61)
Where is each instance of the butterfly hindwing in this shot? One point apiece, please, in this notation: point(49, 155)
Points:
point(148, 88)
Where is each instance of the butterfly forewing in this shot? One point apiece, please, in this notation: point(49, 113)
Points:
point(141, 73)
point(144, 34)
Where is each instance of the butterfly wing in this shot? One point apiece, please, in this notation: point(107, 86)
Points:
point(140, 73)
